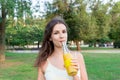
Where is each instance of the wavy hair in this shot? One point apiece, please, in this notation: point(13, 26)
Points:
point(47, 47)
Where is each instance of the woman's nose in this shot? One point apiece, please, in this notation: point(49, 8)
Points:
point(61, 35)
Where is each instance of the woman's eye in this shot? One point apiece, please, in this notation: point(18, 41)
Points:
point(64, 31)
point(55, 32)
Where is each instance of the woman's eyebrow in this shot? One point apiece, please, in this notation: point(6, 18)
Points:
point(56, 30)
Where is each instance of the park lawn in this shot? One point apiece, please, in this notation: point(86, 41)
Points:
point(19, 66)
point(103, 66)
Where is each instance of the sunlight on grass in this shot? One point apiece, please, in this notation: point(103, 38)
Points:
point(18, 67)
point(103, 66)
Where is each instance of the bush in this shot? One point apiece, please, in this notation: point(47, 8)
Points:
point(117, 44)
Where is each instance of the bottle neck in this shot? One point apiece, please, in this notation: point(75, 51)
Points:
point(65, 48)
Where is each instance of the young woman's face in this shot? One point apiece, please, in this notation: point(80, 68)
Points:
point(59, 35)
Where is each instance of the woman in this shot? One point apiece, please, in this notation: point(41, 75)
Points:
point(50, 61)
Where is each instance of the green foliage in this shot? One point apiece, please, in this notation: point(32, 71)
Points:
point(20, 6)
point(115, 22)
point(11, 9)
point(115, 30)
point(24, 34)
point(83, 25)
point(99, 12)
point(78, 21)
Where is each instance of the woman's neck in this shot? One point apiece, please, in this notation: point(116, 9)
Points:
point(58, 52)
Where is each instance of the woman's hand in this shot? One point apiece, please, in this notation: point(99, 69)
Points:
point(75, 63)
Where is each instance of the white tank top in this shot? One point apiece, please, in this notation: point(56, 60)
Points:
point(54, 73)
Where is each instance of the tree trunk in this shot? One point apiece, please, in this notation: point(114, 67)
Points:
point(2, 43)
point(78, 46)
point(2, 56)
point(2, 34)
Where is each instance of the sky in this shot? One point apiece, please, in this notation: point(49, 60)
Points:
point(42, 4)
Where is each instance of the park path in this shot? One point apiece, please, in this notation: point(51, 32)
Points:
point(101, 51)
point(85, 51)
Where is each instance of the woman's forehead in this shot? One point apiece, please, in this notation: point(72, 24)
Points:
point(59, 27)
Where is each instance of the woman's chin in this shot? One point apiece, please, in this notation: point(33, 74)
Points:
point(59, 46)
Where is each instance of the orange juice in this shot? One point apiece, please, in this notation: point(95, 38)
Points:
point(67, 62)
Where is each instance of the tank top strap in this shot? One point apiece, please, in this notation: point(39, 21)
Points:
point(48, 61)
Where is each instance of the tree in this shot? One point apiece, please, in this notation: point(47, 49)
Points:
point(11, 8)
point(22, 34)
point(115, 22)
point(88, 20)
point(79, 21)
point(102, 19)
point(75, 15)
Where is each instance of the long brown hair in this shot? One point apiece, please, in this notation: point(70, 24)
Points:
point(47, 47)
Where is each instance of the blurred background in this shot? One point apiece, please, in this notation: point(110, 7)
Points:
point(94, 27)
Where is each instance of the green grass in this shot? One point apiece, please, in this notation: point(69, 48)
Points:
point(103, 66)
point(19, 66)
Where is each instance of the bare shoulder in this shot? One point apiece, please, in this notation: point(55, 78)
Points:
point(78, 55)
point(43, 66)
point(41, 71)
